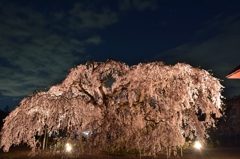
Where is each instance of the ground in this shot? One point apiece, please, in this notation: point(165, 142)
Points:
point(205, 153)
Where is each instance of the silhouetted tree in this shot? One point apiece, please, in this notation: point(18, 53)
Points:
point(6, 109)
point(3, 114)
point(229, 127)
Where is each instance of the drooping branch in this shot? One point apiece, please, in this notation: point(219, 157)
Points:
point(149, 103)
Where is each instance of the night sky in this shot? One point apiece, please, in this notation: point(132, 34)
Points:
point(40, 41)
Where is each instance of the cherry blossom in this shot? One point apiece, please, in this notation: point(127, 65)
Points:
point(148, 107)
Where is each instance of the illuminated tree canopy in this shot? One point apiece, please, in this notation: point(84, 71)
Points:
point(150, 106)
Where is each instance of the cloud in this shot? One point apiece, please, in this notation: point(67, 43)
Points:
point(38, 50)
point(218, 52)
point(39, 46)
point(95, 40)
point(145, 4)
point(141, 5)
point(86, 15)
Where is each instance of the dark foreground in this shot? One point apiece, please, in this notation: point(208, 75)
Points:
point(206, 153)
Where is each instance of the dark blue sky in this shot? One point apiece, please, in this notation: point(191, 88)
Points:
point(41, 40)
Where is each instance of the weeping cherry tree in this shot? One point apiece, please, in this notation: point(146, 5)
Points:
point(150, 107)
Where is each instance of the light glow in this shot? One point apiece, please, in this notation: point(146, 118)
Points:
point(85, 133)
point(68, 147)
point(197, 145)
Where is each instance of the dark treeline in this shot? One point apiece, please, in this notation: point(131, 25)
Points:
point(3, 114)
point(228, 128)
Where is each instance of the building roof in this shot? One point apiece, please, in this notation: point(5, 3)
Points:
point(235, 74)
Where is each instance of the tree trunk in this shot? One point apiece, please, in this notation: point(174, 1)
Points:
point(140, 154)
point(169, 152)
point(44, 137)
point(181, 148)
